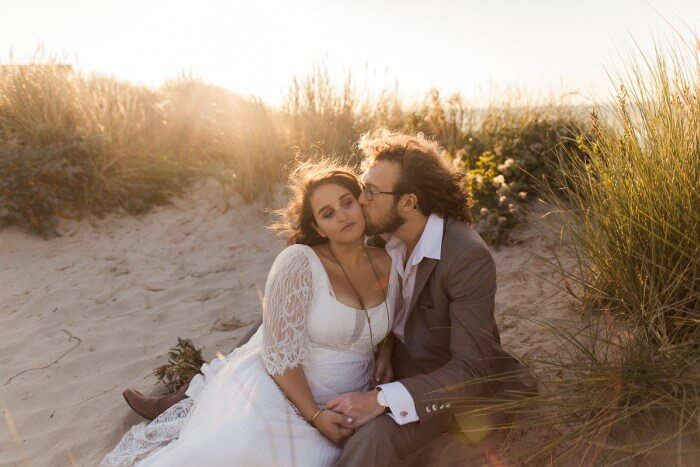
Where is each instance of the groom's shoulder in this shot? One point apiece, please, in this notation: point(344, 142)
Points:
point(460, 239)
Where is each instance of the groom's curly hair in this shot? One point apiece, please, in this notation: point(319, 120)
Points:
point(296, 220)
point(425, 172)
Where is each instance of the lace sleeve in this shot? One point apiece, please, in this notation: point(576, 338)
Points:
point(288, 297)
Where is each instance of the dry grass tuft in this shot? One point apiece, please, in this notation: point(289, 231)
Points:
point(184, 361)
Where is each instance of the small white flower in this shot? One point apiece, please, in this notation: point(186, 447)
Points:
point(522, 195)
point(502, 220)
point(510, 162)
point(479, 179)
point(502, 200)
point(484, 212)
point(498, 180)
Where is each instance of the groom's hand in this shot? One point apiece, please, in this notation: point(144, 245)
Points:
point(358, 407)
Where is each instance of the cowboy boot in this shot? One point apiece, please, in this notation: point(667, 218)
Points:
point(150, 407)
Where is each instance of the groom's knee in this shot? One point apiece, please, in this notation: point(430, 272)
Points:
point(377, 431)
point(371, 444)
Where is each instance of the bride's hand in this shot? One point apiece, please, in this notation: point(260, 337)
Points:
point(329, 424)
point(384, 372)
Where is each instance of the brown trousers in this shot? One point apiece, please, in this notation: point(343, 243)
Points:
point(383, 442)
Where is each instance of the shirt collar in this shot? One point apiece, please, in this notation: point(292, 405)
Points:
point(429, 244)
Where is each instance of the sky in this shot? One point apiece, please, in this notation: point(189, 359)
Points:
point(476, 48)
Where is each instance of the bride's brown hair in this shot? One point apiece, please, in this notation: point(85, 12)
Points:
point(296, 220)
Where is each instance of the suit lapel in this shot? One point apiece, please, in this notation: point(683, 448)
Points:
point(424, 269)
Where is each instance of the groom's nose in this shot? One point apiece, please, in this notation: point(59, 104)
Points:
point(362, 199)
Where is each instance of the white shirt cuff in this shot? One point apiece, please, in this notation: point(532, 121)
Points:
point(403, 410)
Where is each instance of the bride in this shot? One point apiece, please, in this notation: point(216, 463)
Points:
point(328, 307)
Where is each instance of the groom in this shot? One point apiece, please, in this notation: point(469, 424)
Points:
point(447, 342)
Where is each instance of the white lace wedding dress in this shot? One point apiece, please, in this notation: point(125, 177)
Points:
point(236, 415)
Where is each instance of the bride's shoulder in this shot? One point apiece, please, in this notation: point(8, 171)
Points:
point(293, 253)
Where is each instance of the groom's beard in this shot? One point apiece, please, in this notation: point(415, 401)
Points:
point(389, 224)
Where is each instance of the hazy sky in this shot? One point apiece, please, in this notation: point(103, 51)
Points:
point(256, 47)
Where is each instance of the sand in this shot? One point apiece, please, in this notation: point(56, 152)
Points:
point(92, 312)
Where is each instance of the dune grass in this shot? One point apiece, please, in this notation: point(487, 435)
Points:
point(624, 383)
point(71, 144)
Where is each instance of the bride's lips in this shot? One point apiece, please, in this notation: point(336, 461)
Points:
point(347, 227)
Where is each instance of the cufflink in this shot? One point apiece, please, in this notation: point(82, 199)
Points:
point(404, 413)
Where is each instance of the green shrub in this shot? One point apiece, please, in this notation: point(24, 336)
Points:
point(507, 151)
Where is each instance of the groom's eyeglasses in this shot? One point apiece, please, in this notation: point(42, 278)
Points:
point(370, 192)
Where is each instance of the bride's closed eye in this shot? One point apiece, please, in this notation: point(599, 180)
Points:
point(345, 203)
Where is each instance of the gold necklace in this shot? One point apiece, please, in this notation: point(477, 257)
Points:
point(359, 299)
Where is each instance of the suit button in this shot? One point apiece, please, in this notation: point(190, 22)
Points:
point(404, 413)
point(441, 406)
point(448, 404)
point(434, 406)
point(427, 408)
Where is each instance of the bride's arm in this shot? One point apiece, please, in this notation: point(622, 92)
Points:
point(295, 386)
point(286, 346)
point(384, 373)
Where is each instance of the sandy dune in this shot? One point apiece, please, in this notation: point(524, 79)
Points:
point(85, 315)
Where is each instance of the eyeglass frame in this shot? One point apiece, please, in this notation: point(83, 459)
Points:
point(370, 194)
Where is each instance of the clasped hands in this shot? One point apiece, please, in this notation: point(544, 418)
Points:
point(351, 410)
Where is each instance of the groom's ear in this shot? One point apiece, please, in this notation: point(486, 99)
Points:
point(409, 201)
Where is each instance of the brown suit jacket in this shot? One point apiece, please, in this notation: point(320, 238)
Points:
point(451, 336)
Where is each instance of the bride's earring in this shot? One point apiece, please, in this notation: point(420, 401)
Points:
point(319, 231)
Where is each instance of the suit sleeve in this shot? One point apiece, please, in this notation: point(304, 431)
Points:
point(471, 286)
